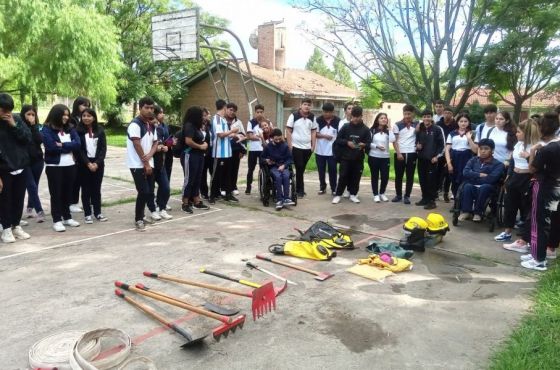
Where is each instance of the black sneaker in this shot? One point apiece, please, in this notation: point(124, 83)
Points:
point(446, 198)
point(321, 192)
point(301, 194)
point(187, 208)
point(248, 190)
point(212, 200)
point(430, 205)
point(396, 199)
point(422, 202)
point(205, 196)
point(406, 200)
point(231, 198)
point(201, 205)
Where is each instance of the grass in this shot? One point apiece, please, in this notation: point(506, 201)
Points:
point(535, 343)
point(116, 136)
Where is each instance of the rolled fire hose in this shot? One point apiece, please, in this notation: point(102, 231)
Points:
point(76, 351)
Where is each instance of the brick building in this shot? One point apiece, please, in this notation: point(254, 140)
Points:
point(280, 89)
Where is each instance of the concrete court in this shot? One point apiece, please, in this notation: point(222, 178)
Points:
point(450, 312)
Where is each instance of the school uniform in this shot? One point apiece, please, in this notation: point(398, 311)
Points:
point(143, 182)
point(160, 173)
point(444, 177)
point(432, 142)
point(378, 159)
point(279, 154)
point(301, 131)
point(14, 157)
point(478, 189)
point(255, 150)
point(93, 149)
point(406, 139)
point(193, 159)
point(324, 153)
point(60, 169)
point(35, 169)
point(517, 186)
point(221, 153)
point(238, 150)
point(460, 153)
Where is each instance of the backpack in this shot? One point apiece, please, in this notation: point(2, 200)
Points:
point(479, 129)
point(142, 126)
point(315, 249)
point(331, 237)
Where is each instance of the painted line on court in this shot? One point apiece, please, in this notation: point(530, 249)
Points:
point(71, 243)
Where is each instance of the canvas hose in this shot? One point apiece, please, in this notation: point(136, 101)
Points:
point(76, 351)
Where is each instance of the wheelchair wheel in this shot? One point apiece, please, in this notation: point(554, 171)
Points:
point(455, 220)
point(293, 188)
point(500, 207)
point(264, 192)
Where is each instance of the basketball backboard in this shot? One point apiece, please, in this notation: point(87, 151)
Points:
point(175, 35)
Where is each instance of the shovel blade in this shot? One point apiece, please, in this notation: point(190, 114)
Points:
point(323, 276)
point(220, 309)
point(264, 300)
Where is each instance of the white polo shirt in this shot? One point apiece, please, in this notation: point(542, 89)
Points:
point(301, 129)
point(406, 136)
point(501, 152)
point(254, 127)
point(324, 146)
point(381, 139)
point(134, 130)
point(482, 133)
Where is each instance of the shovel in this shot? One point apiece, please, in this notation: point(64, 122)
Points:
point(321, 276)
point(209, 306)
point(264, 297)
point(228, 323)
point(242, 281)
point(150, 312)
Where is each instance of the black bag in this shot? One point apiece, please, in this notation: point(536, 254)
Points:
point(179, 147)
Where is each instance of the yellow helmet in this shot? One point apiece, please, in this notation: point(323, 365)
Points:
point(415, 223)
point(436, 223)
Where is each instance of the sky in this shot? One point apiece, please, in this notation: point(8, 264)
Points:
point(245, 15)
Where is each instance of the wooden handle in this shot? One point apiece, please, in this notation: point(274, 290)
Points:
point(288, 265)
point(141, 286)
point(224, 319)
point(148, 311)
point(203, 285)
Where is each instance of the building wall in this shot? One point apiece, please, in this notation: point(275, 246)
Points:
point(202, 93)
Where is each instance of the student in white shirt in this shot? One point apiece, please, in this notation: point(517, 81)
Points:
point(459, 149)
point(503, 136)
point(347, 114)
point(482, 130)
point(141, 145)
point(405, 153)
point(301, 135)
point(327, 129)
point(238, 149)
point(378, 158)
point(439, 108)
point(254, 138)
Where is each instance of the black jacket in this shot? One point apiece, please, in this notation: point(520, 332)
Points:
point(432, 142)
point(101, 150)
point(14, 154)
point(358, 133)
point(34, 147)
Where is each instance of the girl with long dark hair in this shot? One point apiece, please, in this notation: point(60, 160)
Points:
point(160, 173)
point(80, 104)
point(504, 137)
point(36, 162)
point(60, 141)
point(92, 164)
point(378, 158)
point(459, 148)
point(196, 143)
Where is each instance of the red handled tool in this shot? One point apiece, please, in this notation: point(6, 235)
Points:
point(242, 281)
point(321, 276)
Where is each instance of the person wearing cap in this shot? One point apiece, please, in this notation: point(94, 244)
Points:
point(481, 175)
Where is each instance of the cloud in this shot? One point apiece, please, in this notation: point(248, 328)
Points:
point(245, 15)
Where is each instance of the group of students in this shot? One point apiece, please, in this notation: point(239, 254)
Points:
point(74, 154)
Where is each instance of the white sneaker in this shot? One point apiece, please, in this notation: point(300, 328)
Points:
point(58, 227)
point(534, 265)
point(75, 208)
point(376, 198)
point(346, 194)
point(19, 233)
point(383, 198)
point(336, 199)
point(155, 216)
point(167, 208)
point(526, 257)
point(517, 246)
point(354, 198)
point(235, 192)
point(70, 222)
point(7, 236)
point(223, 193)
point(464, 216)
point(88, 220)
point(165, 215)
point(23, 223)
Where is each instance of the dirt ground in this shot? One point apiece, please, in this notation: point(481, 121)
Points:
point(457, 304)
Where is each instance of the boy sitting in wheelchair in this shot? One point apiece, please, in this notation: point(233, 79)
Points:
point(481, 177)
point(278, 157)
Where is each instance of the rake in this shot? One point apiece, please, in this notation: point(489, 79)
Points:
point(264, 297)
point(150, 312)
point(228, 323)
point(277, 291)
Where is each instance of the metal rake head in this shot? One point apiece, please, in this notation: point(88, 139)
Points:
point(225, 328)
point(264, 300)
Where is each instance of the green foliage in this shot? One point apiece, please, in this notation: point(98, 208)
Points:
point(371, 92)
point(341, 73)
point(316, 63)
point(476, 112)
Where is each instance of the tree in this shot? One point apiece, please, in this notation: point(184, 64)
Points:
point(341, 73)
point(527, 59)
point(58, 47)
point(316, 63)
point(439, 36)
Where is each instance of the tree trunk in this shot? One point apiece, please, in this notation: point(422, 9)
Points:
point(517, 108)
point(134, 108)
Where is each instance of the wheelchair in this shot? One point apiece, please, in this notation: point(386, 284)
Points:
point(267, 191)
point(493, 208)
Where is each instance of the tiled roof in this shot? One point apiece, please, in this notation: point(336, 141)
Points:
point(482, 95)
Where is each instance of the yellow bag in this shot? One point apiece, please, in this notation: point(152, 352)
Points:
point(328, 235)
point(387, 262)
point(314, 250)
